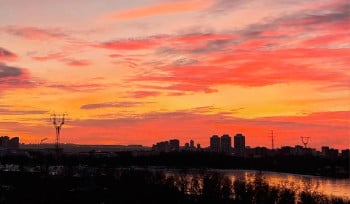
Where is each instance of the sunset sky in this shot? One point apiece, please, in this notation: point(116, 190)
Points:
point(142, 71)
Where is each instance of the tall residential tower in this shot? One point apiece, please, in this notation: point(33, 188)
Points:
point(239, 144)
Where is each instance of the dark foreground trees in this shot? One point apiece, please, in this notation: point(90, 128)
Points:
point(141, 186)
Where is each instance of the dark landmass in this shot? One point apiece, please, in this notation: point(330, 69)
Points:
point(142, 186)
point(337, 167)
point(47, 176)
point(78, 148)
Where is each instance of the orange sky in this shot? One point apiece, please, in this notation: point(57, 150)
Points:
point(137, 72)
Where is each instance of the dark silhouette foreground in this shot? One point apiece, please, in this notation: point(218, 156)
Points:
point(143, 186)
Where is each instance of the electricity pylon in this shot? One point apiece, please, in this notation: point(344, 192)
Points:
point(305, 141)
point(58, 122)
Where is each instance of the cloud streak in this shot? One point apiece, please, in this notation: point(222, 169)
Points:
point(143, 94)
point(171, 7)
point(77, 63)
point(21, 112)
point(14, 77)
point(83, 87)
point(123, 104)
point(34, 33)
point(6, 55)
point(130, 44)
point(52, 56)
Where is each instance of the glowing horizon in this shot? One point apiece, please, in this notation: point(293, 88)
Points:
point(139, 72)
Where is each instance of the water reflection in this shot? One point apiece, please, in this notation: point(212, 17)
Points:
point(298, 183)
point(327, 186)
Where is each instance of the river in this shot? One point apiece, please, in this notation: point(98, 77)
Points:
point(326, 186)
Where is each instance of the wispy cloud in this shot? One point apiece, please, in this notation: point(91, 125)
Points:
point(225, 6)
point(34, 33)
point(7, 55)
point(164, 8)
point(51, 56)
point(123, 104)
point(82, 87)
point(14, 77)
point(193, 42)
point(63, 57)
point(77, 63)
point(143, 94)
point(21, 112)
point(8, 71)
point(130, 44)
point(254, 73)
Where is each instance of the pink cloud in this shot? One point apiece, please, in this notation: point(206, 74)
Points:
point(143, 94)
point(176, 94)
point(34, 33)
point(185, 42)
point(258, 71)
point(262, 54)
point(115, 55)
point(191, 88)
point(60, 56)
point(122, 104)
point(131, 44)
point(324, 40)
point(14, 77)
point(78, 87)
point(197, 38)
point(53, 56)
point(77, 63)
point(21, 112)
point(155, 10)
point(7, 55)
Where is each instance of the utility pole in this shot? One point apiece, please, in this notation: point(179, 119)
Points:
point(272, 141)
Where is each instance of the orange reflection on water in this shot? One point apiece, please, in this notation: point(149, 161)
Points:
point(326, 186)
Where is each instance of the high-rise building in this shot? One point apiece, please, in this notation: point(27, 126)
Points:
point(239, 144)
point(4, 140)
point(324, 150)
point(161, 146)
point(215, 143)
point(225, 144)
point(13, 143)
point(192, 144)
point(7, 143)
point(174, 145)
